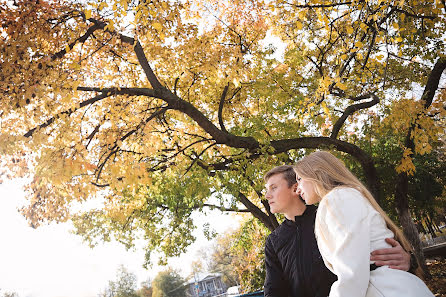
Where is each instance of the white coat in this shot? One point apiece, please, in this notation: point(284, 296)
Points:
point(348, 229)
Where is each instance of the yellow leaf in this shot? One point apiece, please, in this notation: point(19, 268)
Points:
point(88, 14)
point(157, 26)
point(349, 29)
point(102, 5)
point(359, 44)
point(342, 86)
point(299, 25)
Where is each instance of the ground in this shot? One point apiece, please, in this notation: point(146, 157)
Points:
point(438, 282)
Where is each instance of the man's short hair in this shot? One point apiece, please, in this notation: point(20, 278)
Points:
point(287, 172)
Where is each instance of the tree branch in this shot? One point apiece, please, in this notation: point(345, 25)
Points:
point(82, 39)
point(319, 5)
point(430, 17)
point(139, 51)
point(433, 82)
point(220, 108)
point(256, 212)
point(350, 110)
point(225, 208)
point(67, 112)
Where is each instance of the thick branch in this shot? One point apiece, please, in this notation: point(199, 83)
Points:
point(139, 51)
point(221, 137)
point(220, 108)
point(81, 39)
point(122, 91)
point(256, 212)
point(433, 81)
point(350, 110)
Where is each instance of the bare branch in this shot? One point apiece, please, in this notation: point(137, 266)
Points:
point(115, 148)
point(81, 39)
point(122, 91)
point(67, 112)
point(351, 109)
point(319, 5)
point(212, 206)
point(220, 108)
point(429, 17)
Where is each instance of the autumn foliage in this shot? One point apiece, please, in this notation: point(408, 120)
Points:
point(150, 110)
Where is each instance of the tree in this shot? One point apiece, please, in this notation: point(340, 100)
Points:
point(10, 294)
point(123, 286)
point(239, 256)
point(146, 290)
point(158, 106)
point(221, 259)
point(168, 283)
point(248, 255)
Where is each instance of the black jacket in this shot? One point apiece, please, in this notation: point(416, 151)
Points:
point(294, 266)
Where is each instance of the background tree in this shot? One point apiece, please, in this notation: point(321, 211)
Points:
point(9, 294)
point(123, 286)
point(145, 290)
point(221, 259)
point(165, 107)
point(239, 256)
point(168, 283)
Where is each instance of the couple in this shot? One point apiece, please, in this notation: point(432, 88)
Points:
point(349, 227)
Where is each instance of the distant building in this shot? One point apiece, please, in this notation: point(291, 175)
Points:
point(210, 286)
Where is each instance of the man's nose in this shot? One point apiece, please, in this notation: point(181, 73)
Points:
point(268, 195)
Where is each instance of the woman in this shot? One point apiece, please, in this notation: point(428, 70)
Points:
point(349, 225)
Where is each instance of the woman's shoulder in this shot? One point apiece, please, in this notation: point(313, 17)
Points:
point(344, 201)
point(342, 192)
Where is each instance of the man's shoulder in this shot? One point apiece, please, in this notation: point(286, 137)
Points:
point(284, 230)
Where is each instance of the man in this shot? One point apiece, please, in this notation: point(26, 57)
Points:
point(294, 266)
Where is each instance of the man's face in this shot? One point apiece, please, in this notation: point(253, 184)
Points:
point(281, 198)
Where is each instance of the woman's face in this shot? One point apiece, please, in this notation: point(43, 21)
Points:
point(306, 190)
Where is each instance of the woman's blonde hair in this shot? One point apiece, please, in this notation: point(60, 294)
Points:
point(328, 172)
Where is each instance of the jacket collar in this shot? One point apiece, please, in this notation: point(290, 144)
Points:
point(308, 213)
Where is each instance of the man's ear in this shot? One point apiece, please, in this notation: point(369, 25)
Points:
point(294, 187)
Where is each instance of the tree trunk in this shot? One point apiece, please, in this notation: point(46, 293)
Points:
point(409, 228)
point(431, 226)
point(401, 192)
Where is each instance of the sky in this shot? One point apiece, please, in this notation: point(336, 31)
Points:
point(51, 262)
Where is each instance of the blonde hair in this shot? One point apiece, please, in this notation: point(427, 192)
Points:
point(328, 172)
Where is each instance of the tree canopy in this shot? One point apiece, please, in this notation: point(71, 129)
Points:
point(168, 283)
point(155, 109)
